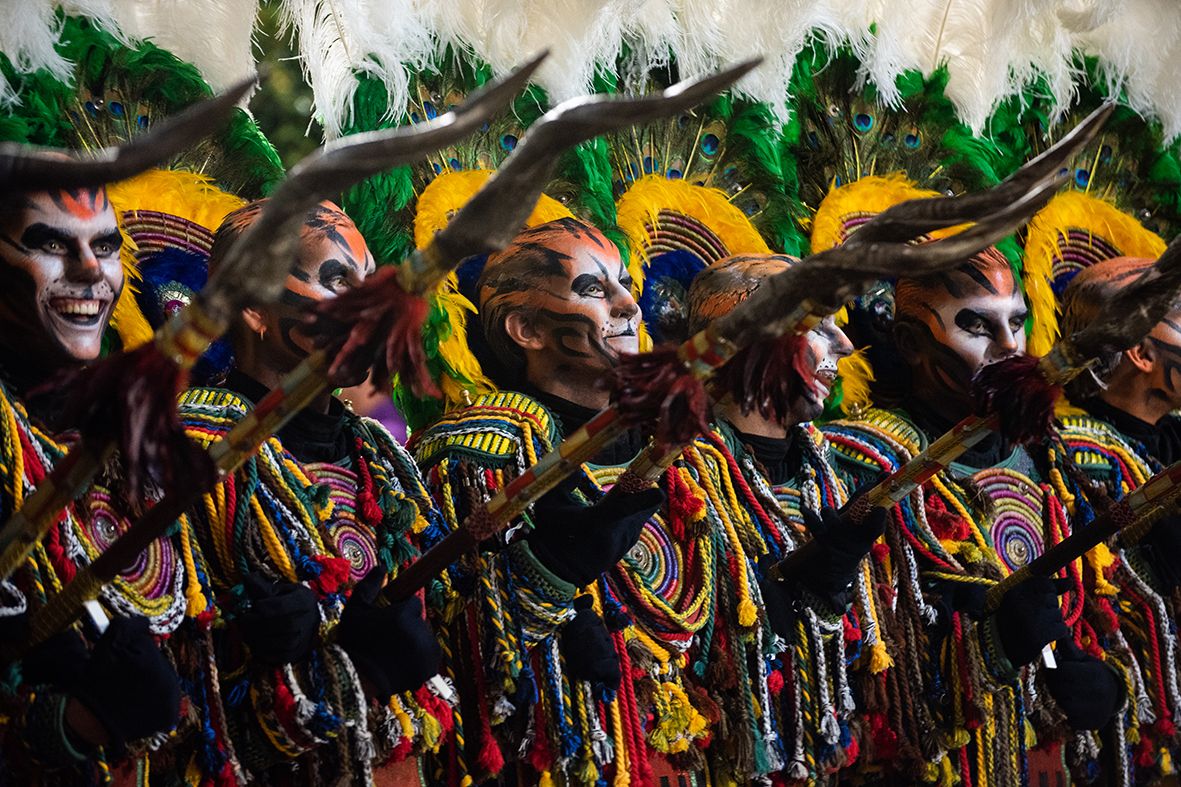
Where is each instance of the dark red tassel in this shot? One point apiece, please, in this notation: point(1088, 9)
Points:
point(130, 398)
point(768, 375)
point(376, 328)
point(1016, 391)
point(656, 391)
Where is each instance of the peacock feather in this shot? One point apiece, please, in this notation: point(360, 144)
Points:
point(1123, 196)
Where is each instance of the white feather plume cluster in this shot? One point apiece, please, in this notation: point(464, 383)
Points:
point(27, 37)
point(992, 49)
point(341, 39)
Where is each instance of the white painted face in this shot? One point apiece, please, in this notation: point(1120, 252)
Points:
point(60, 274)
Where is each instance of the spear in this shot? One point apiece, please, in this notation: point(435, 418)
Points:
point(143, 421)
point(665, 388)
point(1016, 397)
point(488, 222)
point(28, 168)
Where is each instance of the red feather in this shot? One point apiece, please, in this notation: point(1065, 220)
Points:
point(768, 375)
point(656, 391)
point(1016, 391)
point(130, 398)
point(376, 328)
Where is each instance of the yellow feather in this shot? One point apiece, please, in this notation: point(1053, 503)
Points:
point(1097, 218)
point(856, 373)
point(449, 192)
point(184, 194)
point(439, 201)
point(865, 197)
point(637, 212)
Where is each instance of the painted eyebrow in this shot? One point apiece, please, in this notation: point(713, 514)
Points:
point(112, 237)
point(583, 280)
point(989, 314)
point(37, 234)
point(331, 268)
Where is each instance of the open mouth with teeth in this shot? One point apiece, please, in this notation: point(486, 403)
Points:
point(822, 384)
point(83, 312)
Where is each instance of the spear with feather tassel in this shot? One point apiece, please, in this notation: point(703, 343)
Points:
point(356, 324)
point(663, 391)
point(28, 168)
point(1016, 397)
point(128, 402)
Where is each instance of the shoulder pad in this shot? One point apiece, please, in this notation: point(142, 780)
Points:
point(495, 430)
point(209, 413)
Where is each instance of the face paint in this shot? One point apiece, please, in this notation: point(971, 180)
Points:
point(332, 259)
point(571, 285)
point(827, 344)
point(729, 281)
point(962, 321)
point(60, 272)
point(1165, 386)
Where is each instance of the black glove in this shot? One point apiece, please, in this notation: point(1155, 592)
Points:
point(842, 544)
point(587, 648)
point(1088, 691)
point(948, 597)
point(392, 647)
point(1161, 547)
point(579, 542)
point(780, 605)
point(281, 622)
point(128, 684)
point(58, 661)
point(1028, 619)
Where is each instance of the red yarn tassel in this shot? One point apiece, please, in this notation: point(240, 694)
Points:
point(1016, 391)
point(656, 391)
point(768, 375)
point(376, 328)
point(130, 399)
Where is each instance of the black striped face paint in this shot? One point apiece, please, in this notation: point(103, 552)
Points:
point(961, 321)
point(568, 281)
point(60, 272)
point(333, 258)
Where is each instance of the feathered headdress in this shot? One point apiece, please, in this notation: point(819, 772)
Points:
point(115, 92)
point(402, 210)
point(855, 157)
point(1124, 194)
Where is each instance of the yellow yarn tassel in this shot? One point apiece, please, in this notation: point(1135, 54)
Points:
point(747, 613)
point(1166, 763)
point(1101, 558)
point(546, 780)
point(879, 658)
point(1030, 735)
point(947, 774)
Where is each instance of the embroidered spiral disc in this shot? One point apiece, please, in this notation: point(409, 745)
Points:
point(356, 546)
point(657, 562)
point(1017, 532)
point(347, 538)
point(152, 585)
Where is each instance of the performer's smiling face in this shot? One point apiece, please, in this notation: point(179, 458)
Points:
point(60, 274)
point(950, 326)
point(332, 259)
point(559, 301)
